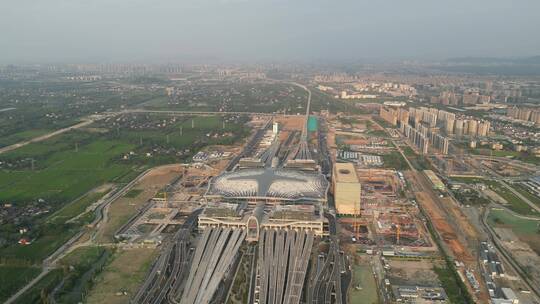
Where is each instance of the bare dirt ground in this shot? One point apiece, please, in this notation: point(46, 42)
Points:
point(121, 210)
point(441, 225)
point(414, 272)
point(291, 122)
point(456, 231)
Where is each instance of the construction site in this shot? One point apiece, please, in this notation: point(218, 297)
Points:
point(167, 210)
point(260, 214)
point(452, 165)
point(385, 217)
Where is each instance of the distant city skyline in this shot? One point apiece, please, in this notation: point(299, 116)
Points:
point(58, 31)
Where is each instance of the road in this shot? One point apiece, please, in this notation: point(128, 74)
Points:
point(50, 262)
point(166, 275)
point(102, 210)
point(505, 255)
point(18, 145)
point(457, 235)
point(174, 112)
point(396, 145)
point(308, 108)
point(502, 180)
point(89, 120)
point(331, 282)
point(523, 198)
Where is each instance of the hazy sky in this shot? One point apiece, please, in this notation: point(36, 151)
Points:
point(264, 30)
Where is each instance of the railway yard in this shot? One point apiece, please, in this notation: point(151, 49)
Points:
point(219, 244)
point(296, 233)
point(367, 181)
point(263, 222)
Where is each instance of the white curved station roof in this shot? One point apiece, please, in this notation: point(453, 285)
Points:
point(269, 183)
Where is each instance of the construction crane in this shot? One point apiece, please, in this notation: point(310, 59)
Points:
point(398, 234)
point(356, 223)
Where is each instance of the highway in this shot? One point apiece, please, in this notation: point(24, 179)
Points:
point(199, 113)
point(502, 180)
point(330, 283)
point(167, 273)
point(101, 215)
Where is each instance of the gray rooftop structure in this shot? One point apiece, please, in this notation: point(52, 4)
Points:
point(269, 184)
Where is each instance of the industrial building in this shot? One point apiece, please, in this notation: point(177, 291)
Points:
point(390, 115)
point(419, 294)
point(346, 188)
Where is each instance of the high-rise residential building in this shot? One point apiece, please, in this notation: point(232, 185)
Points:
point(440, 143)
point(484, 99)
point(449, 126)
point(458, 128)
point(470, 98)
point(472, 127)
point(524, 114)
point(403, 117)
point(465, 127)
point(483, 128)
point(444, 115)
point(535, 117)
point(390, 115)
point(513, 112)
point(275, 128)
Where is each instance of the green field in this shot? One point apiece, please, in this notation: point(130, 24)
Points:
point(533, 198)
point(255, 97)
point(13, 277)
point(503, 219)
point(39, 292)
point(526, 230)
point(69, 168)
point(64, 173)
point(21, 136)
point(84, 263)
point(468, 180)
point(124, 273)
point(184, 133)
point(524, 156)
point(453, 286)
point(75, 208)
point(363, 288)
point(515, 203)
point(395, 160)
point(240, 288)
point(419, 162)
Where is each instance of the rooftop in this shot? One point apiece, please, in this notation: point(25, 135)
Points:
point(345, 173)
point(269, 183)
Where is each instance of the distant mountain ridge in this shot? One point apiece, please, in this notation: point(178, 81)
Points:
point(495, 60)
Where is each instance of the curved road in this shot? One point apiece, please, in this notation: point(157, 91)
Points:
point(49, 262)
